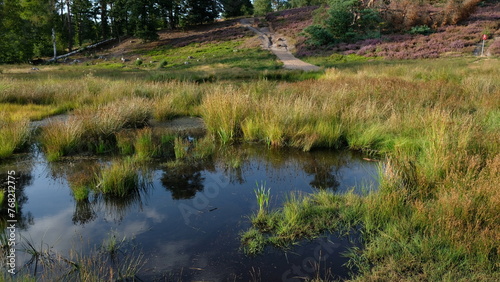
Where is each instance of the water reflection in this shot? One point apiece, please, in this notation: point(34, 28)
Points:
point(84, 212)
point(23, 178)
point(324, 171)
point(183, 179)
point(153, 215)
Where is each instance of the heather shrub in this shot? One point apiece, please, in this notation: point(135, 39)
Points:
point(494, 48)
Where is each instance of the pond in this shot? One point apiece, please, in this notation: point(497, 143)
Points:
point(187, 219)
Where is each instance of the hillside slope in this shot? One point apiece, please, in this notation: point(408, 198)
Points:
point(452, 40)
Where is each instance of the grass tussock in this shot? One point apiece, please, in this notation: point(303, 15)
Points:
point(14, 135)
point(62, 138)
point(94, 129)
point(301, 216)
point(119, 179)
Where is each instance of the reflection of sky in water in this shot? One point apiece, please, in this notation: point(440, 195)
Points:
point(207, 247)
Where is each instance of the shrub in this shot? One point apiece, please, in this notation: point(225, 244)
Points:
point(420, 29)
point(347, 21)
point(262, 7)
point(494, 48)
point(162, 64)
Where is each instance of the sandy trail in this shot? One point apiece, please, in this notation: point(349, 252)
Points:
point(279, 47)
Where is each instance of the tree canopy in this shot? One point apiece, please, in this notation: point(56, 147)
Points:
point(27, 26)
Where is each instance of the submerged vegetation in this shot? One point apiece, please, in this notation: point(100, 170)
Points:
point(115, 259)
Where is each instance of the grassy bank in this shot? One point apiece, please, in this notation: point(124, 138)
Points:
point(436, 122)
point(436, 215)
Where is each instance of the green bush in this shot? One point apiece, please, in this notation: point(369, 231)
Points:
point(347, 20)
point(420, 29)
point(162, 64)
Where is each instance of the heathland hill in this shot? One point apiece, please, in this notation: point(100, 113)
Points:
point(182, 47)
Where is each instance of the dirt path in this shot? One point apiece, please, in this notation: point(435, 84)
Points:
point(278, 45)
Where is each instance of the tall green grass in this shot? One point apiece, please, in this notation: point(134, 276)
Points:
point(119, 179)
point(14, 135)
point(435, 122)
point(436, 213)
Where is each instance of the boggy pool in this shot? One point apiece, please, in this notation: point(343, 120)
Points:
point(187, 219)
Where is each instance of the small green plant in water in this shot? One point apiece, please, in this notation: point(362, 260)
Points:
point(263, 195)
point(181, 148)
point(112, 244)
point(144, 147)
point(119, 179)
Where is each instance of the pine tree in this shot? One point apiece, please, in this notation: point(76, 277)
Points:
point(262, 7)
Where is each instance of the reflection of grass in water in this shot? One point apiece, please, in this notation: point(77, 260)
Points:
point(181, 148)
point(115, 260)
point(80, 183)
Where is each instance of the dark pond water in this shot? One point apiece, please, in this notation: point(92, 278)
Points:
point(187, 220)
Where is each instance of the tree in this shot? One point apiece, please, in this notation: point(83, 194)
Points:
point(236, 8)
point(262, 7)
point(200, 11)
point(82, 15)
point(347, 20)
point(144, 16)
point(170, 12)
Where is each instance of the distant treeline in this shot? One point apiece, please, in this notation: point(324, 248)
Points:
point(29, 28)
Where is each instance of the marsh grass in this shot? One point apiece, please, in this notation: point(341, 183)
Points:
point(179, 99)
point(62, 138)
point(79, 185)
point(95, 263)
point(31, 111)
point(181, 148)
point(95, 129)
point(301, 216)
point(144, 147)
point(436, 122)
point(14, 135)
point(119, 179)
point(263, 195)
point(204, 148)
